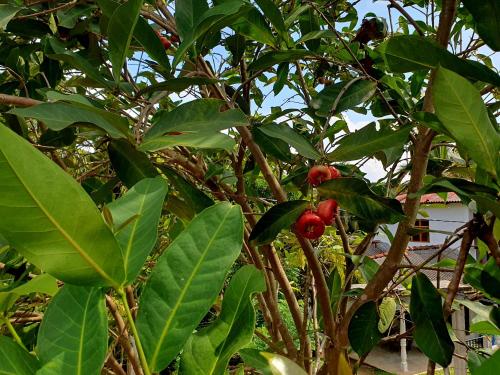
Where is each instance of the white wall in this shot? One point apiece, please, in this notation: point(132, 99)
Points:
point(441, 217)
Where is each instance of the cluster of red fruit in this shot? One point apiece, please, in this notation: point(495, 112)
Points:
point(311, 224)
point(167, 43)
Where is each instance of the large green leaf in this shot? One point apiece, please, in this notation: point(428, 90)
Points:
point(147, 37)
point(345, 97)
point(187, 14)
point(186, 280)
point(272, 146)
point(216, 17)
point(368, 141)
point(279, 217)
point(7, 12)
point(136, 216)
point(60, 115)
point(75, 326)
point(14, 360)
point(269, 59)
point(486, 15)
point(41, 284)
point(178, 84)
point(354, 195)
point(120, 31)
point(294, 139)
point(50, 219)
point(194, 198)
point(208, 140)
point(209, 350)
point(77, 61)
point(431, 334)
point(363, 329)
point(200, 115)
point(309, 23)
point(272, 12)
point(130, 164)
point(462, 112)
point(387, 309)
point(281, 365)
point(407, 53)
point(489, 366)
point(253, 25)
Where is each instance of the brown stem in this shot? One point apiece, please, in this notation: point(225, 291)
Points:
point(459, 269)
point(18, 100)
point(401, 10)
point(115, 365)
point(123, 335)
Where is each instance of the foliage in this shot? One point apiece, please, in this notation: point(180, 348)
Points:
point(154, 159)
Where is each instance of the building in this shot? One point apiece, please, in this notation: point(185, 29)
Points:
point(439, 216)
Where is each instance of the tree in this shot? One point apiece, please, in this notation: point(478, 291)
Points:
point(147, 175)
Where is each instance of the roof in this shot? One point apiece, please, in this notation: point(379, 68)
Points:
point(433, 198)
point(415, 255)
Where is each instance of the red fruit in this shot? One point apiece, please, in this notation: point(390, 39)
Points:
point(310, 225)
point(327, 210)
point(319, 174)
point(334, 172)
point(166, 43)
point(174, 38)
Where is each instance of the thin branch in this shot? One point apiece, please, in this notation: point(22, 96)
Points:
point(410, 19)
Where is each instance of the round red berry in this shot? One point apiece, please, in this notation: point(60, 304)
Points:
point(310, 225)
point(334, 172)
point(327, 210)
point(319, 174)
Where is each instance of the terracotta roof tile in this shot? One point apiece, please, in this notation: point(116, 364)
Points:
point(433, 198)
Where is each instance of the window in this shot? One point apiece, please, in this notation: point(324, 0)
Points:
point(421, 236)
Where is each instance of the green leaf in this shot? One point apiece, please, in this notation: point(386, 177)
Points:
point(269, 59)
point(363, 329)
point(147, 37)
point(77, 61)
point(367, 141)
point(209, 140)
point(279, 217)
point(216, 17)
point(345, 97)
point(387, 310)
point(407, 53)
point(252, 24)
point(317, 35)
point(14, 360)
point(354, 195)
point(272, 12)
point(193, 197)
point(7, 12)
point(431, 334)
point(187, 14)
point(486, 15)
point(462, 112)
point(130, 164)
point(272, 146)
point(368, 267)
point(60, 115)
point(177, 84)
point(120, 31)
point(294, 139)
point(254, 358)
point(40, 284)
point(50, 219)
point(209, 350)
point(76, 326)
point(280, 365)
point(186, 281)
point(54, 367)
point(308, 22)
point(489, 366)
point(138, 237)
point(200, 115)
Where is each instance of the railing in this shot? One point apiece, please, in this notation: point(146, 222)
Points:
point(476, 343)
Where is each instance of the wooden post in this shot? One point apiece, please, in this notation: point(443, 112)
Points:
point(402, 329)
point(458, 324)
